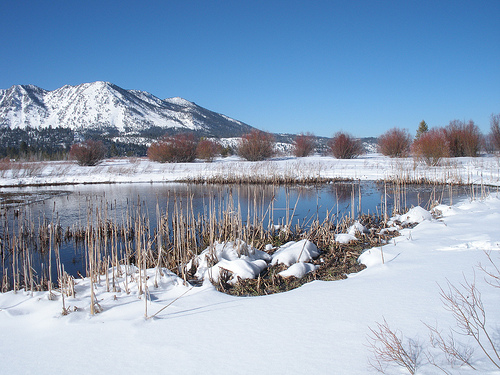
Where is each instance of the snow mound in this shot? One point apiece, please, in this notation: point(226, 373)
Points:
point(242, 260)
point(293, 252)
point(245, 262)
point(345, 238)
point(239, 268)
point(298, 270)
point(356, 228)
point(413, 216)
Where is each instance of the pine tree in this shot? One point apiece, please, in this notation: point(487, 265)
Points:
point(422, 128)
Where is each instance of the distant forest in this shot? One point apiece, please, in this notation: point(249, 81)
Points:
point(54, 143)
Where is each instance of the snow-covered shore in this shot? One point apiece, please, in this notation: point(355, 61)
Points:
point(321, 327)
point(482, 170)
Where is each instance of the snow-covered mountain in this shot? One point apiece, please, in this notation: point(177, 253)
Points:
point(107, 108)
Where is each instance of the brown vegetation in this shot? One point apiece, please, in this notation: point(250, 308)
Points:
point(495, 131)
point(88, 153)
point(207, 149)
point(345, 146)
point(179, 148)
point(463, 139)
point(303, 145)
point(431, 147)
point(256, 145)
point(395, 143)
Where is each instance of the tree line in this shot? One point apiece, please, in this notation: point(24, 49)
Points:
point(457, 139)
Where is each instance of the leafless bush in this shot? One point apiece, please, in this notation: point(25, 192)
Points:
point(32, 169)
point(345, 146)
point(179, 148)
point(303, 145)
point(456, 353)
point(492, 272)
point(87, 153)
point(390, 348)
point(463, 139)
point(256, 145)
point(5, 165)
point(431, 147)
point(395, 143)
point(208, 149)
point(467, 307)
point(495, 131)
point(465, 304)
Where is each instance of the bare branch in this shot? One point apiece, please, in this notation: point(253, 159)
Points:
point(455, 352)
point(388, 347)
point(468, 310)
point(494, 274)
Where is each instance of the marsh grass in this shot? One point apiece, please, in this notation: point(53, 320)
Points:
point(142, 240)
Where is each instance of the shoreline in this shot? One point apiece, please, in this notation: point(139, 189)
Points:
point(483, 171)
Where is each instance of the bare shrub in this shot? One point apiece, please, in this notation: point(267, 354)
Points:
point(431, 147)
point(492, 272)
point(179, 148)
point(495, 131)
point(5, 164)
point(463, 139)
point(208, 149)
point(456, 353)
point(256, 145)
point(345, 146)
point(395, 143)
point(390, 348)
point(467, 307)
point(88, 153)
point(303, 145)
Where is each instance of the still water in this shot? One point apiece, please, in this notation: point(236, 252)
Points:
point(78, 205)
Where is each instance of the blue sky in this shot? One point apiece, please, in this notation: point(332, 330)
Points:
point(282, 66)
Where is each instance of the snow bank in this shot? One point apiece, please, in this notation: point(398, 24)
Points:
point(293, 252)
point(413, 216)
point(199, 330)
point(345, 238)
point(352, 232)
point(356, 228)
point(298, 270)
point(242, 260)
point(246, 262)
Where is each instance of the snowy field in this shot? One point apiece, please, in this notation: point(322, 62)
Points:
point(319, 328)
point(481, 170)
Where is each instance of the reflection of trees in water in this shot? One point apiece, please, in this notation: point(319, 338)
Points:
point(344, 191)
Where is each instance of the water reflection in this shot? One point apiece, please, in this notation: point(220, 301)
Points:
point(80, 205)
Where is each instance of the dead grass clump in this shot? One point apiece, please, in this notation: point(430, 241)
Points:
point(335, 263)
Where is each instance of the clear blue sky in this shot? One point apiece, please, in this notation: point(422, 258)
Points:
point(281, 66)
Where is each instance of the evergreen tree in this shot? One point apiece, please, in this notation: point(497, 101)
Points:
point(422, 128)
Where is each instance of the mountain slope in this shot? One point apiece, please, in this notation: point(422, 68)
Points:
point(106, 108)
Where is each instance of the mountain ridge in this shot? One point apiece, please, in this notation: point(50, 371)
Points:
point(105, 107)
